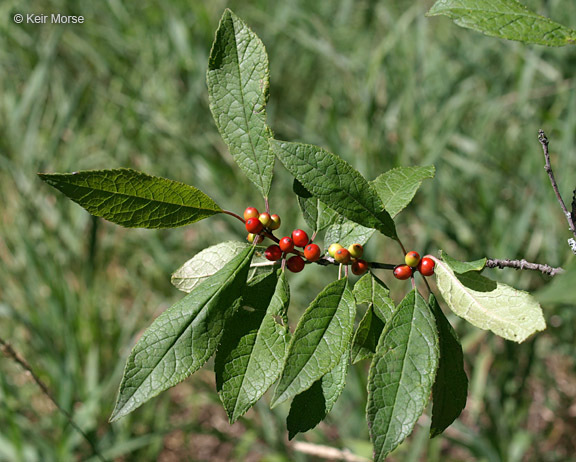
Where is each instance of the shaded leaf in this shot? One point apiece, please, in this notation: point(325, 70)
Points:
point(371, 290)
point(310, 407)
point(461, 267)
point(316, 214)
point(253, 348)
point(319, 341)
point(401, 374)
point(450, 390)
point(509, 313)
point(182, 338)
point(334, 182)
point(366, 336)
point(238, 85)
point(134, 199)
point(398, 186)
point(204, 264)
point(507, 19)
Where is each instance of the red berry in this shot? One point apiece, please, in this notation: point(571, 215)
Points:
point(426, 266)
point(251, 212)
point(286, 244)
point(312, 252)
point(402, 272)
point(342, 256)
point(295, 264)
point(265, 219)
point(273, 253)
point(412, 259)
point(300, 238)
point(359, 267)
point(254, 226)
point(275, 222)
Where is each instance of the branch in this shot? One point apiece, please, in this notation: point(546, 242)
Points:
point(548, 167)
point(523, 264)
point(10, 353)
point(326, 452)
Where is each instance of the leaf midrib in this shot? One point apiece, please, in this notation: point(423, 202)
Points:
point(315, 349)
point(239, 75)
point(370, 212)
point(182, 332)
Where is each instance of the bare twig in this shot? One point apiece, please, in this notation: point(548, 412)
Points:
point(548, 167)
point(523, 264)
point(10, 353)
point(327, 452)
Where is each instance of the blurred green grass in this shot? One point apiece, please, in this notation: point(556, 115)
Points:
point(377, 83)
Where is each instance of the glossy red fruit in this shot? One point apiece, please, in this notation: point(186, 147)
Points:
point(295, 264)
point(342, 256)
point(274, 221)
point(265, 219)
point(286, 244)
point(251, 212)
point(402, 272)
point(300, 238)
point(312, 252)
point(426, 266)
point(412, 259)
point(254, 226)
point(356, 250)
point(359, 267)
point(273, 253)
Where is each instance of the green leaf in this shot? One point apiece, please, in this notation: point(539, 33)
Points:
point(310, 407)
point(450, 389)
point(334, 182)
point(398, 186)
point(507, 19)
point(182, 338)
point(204, 264)
point(238, 84)
point(366, 336)
point(316, 214)
point(401, 374)
point(319, 341)
point(461, 267)
point(371, 290)
point(347, 232)
point(252, 352)
point(509, 313)
point(134, 199)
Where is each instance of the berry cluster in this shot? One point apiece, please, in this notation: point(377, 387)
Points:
point(350, 255)
point(414, 263)
point(258, 223)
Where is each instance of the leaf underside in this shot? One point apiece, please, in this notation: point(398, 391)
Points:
point(204, 264)
point(509, 313)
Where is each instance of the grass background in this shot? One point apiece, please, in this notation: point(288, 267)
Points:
point(377, 83)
